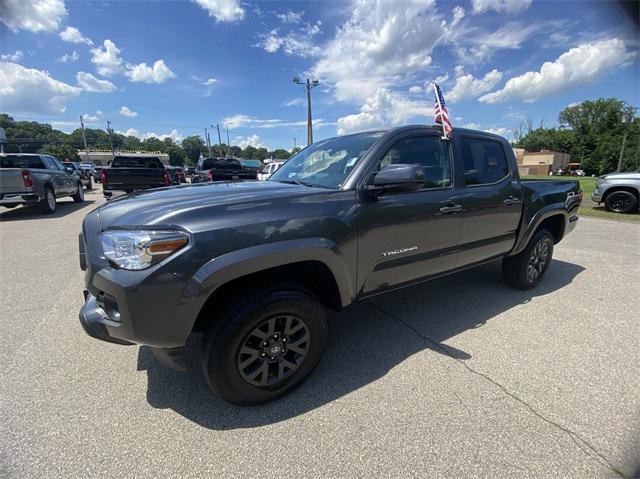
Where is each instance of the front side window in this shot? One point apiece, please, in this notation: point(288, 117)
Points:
point(326, 163)
point(484, 161)
point(429, 152)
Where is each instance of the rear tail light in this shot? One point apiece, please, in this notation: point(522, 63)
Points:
point(103, 178)
point(167, 180)
point(26, 179)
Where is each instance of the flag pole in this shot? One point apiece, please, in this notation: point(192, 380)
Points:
point(435, 92)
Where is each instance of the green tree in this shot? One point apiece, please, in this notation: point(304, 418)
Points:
point(177, 155)
point(62, 152)
point(153, 144)
point(599, 127)
point(281, 154)
point(193, 147)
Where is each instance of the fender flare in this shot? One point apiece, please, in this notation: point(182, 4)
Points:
point(236, 264)
point(554, 209)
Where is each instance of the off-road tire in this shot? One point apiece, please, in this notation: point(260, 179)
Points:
point(235, 326)
point(516, 270)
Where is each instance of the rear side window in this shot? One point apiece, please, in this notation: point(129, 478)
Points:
point(430, 152)
point(17, 161)
point(136, 162)
point(484, 161)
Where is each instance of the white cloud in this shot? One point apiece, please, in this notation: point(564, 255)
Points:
point(476, 47)
point(223, 10)
point(502, 131)
point(290, 16)
point(458, 14)
point(210, 82)
point(27, 90)
point(12, 57)
point(297, 42)
point(69, 57)
point(125, 111)
point(576, 67)
point(440, 80)
point(246, 121)
point(73, 35)
point(173, 134)
point(379, 42)
point(158, 73)
point(383, 108)
point(506, 6)
point(295, 102)
point(251, 140)
point(415, 89)
point(33, 15)
point(88, 82)
point(89, 118)
point(468, 86)
point(107, 59)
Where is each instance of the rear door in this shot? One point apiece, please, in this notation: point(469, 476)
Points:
point(406, 236)
point(64, 182)
point(491, 198)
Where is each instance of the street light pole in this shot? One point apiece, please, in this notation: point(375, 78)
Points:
point(219, 139)
point(308, 84)
point(208, 141)
point(627, 118)
point(109, 130)
point(228, 144)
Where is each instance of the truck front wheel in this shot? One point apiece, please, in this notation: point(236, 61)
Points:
point(526, 269)
point(260, 349)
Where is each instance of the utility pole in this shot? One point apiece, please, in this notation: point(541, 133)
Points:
point(308, 84)
point(295, 143)
point(110, 140)
point(627, 118)
point(219, 139)
point(207, 141)
point(228, 144)
point(84, 140)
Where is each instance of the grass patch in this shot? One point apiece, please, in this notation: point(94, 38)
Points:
point(589, 208)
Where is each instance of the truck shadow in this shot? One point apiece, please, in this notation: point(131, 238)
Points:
point(366, 341)
point(64, 207)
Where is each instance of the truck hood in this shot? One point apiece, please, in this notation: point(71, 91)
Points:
point(630, 175)
point(167, 206)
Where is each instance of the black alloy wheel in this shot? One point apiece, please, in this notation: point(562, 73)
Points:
point(273, 351)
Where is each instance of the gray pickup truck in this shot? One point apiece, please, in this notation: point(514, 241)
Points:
point(620, 192)
point(255, 264)
point(34, 179)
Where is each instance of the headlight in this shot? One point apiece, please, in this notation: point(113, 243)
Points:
point(136, 250)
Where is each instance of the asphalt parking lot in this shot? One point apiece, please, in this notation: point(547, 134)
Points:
point(459, 377)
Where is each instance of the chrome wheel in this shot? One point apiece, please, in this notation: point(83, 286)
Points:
point(51, 200)
point(273, 351)
point(537, 260)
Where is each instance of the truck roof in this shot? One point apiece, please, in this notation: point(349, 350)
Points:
point(438, 128)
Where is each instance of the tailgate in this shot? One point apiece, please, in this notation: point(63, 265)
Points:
point(135, 178)
point(11, 181)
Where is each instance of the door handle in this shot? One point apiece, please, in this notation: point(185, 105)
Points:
point(512, 200)
point(451, 208)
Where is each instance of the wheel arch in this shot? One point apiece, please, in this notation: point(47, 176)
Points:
point(316, 263)
point(615, 188)
point(553, 217)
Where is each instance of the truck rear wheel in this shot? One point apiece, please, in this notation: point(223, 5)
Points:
point(78, 197)
point(526, 269)
point(48, 203)
point(265, 346)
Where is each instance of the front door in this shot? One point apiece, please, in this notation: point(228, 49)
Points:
point(406, 236)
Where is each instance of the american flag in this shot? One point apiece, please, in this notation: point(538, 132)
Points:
point(441, 113)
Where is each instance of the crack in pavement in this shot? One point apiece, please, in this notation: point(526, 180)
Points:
point(579, 441)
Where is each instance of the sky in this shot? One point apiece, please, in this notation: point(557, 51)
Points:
point(173, 68)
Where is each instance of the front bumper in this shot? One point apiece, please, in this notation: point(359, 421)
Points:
point(95, 321)
point(596, 196)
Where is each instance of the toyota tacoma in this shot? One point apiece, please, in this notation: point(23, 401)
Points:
point(254, 265)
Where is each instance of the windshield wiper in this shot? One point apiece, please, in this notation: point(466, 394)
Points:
point(295, 182)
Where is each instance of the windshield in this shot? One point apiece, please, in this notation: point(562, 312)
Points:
point(17, 161)
point(327, 163)
point(221, 164)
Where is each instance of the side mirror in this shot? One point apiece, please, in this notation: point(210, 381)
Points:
point(398, 177)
